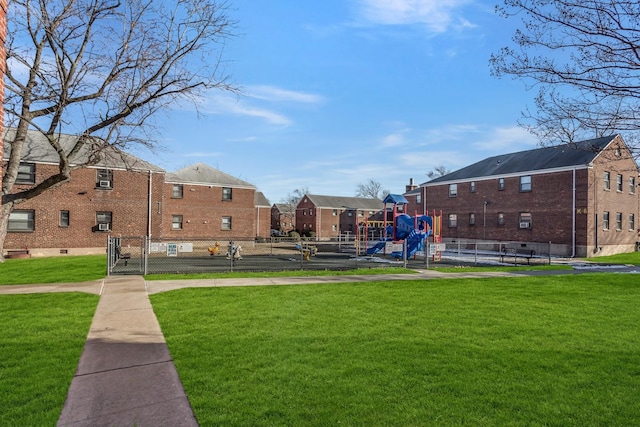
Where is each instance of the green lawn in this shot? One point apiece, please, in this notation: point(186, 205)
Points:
point(531, 351)
point(53, 270)
point(41, 340)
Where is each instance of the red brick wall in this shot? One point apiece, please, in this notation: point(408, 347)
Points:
point(263, 221)
point(202, 209)
point(128, 202)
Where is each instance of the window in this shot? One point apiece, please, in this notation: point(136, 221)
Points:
point(360, 213)
point(524, 220)
point(500, 218)
point(226, 223)
point(64, 218)
point(605, 221)
point(618, 221)
point(472, 186)
point(176, 222)
point(632, 185)
point(177, 192)
point(335, 212)
point(226, 193)
point(104, 179)
point(472, 219)
point(21, 221)
point(26, 173)
point(453, 190)
point(334, 227)
point(525, 183)
point(619, 183)
point(419, 198)
point(453, 220)
point(350, 213)
point(607, 181)
point(501, 184)
point(632, 222)
point(103, 219)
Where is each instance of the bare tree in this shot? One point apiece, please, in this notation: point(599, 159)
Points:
point(101, 70)
point(438, 171)
point(291, 201)
point(585, 59)
point(372, 189)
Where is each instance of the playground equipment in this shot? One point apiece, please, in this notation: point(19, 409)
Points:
point(411, 232)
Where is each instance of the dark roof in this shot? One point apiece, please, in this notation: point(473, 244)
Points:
point(339, 202)
point(261, 200)
point(201, 173)
point(38, 150)
point(556, 157)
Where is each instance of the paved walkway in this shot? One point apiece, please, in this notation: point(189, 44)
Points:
point(126, 376)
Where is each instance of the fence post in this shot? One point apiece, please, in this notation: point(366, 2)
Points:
point(146, 252)
point(549, 252)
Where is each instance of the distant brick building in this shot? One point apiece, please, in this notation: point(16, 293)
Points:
point(583, 198)
point(126, 196)
point(330, 216)
point(3, 65)
point(283, 217)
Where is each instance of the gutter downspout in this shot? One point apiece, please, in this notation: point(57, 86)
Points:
point(149, 205)
point(573, 217)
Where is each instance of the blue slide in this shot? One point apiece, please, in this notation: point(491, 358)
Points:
point(405, 230)
point(376, 248)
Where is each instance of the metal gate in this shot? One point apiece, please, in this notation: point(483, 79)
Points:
point(126, 255)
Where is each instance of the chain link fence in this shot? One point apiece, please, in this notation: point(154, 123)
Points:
point(137, 255)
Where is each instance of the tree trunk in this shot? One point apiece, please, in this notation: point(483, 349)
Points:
point(4, 222)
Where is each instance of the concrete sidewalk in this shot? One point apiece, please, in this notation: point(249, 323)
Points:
point(126, 375)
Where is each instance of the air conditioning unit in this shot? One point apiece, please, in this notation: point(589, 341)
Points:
point(525, 225)
point(105, 184)
point(103, 227)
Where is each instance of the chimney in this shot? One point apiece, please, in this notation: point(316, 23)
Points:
point(411, 186)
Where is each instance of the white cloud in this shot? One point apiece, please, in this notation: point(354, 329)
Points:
point(436, 15)
point(276, 94)
point(225, 104)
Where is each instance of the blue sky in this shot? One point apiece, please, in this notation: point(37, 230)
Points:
point(337, 92)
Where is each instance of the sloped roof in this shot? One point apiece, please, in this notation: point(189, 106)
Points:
point(201, 173)
point(395, 198)
point(38, 150)
point(261, 200)
point(579, 154)
point(337, 202)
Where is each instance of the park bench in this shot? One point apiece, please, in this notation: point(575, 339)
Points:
point(516, 253)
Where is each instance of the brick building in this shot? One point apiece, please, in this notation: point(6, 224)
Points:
point(263, 215)
point(330, 216)
point(583, 198)
point(3, 65)
point(283, 217)
point(125, 196)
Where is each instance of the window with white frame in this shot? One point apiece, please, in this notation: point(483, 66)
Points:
point(335, 212)
point(472, 219)
point(226, 223)
point(176, 222)
point(334, 227)
point(632, 185)
point(607, 181)
point(64, 219)
point(525, 183)
point(500, 218)
point(524, 220)
point(103, 220)
point(104, 179)
point(605, 220)
point(619, 183)
point(453, 190)
point(418, 198)
point(226, 193)
point(21, 221)
point(500, 184)
point(177, 191)
point(632, 222)
point(618, 221)
point(453, 220)
point(472, 187)
point(26, 173)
